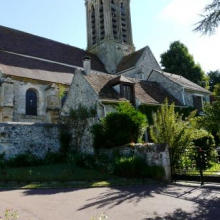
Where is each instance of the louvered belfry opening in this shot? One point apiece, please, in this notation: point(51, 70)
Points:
point(93, 22)
point(124, 23)
point(101, 18)
point(114, 20)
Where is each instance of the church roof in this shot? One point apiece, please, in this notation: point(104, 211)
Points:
point(152, 93)
point(100, 83)
point(187, 84)
point(147, 92)
point(130, 60)
point(14, 65)
point(27, 44)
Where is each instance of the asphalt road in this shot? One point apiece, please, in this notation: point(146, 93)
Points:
point(119, 203)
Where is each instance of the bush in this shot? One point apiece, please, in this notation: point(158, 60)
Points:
point(2, 160)
point(54, 157)
point(136, 167)
point(24, 160)
point(119, 128)
point(85, 160)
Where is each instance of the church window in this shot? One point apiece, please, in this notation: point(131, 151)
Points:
point(114, 20)
point(101, 17)
point(93, 23)
point(31, 102)
point(123, 23)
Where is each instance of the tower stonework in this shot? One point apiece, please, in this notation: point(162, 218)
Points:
point(109, 31)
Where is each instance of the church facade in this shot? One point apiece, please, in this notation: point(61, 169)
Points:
point(42, 79)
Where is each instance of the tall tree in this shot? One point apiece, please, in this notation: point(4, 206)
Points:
point(210, 18)
point(214, 78)
point(178, 60)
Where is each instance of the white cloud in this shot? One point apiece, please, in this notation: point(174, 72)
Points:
point(183, 12)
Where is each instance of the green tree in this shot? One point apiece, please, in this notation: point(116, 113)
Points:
point(211, 119)
point(179, 61)
point(169, 128)
point(214, 78)
point(216, 91)
point(118, 128)
point(210, 18)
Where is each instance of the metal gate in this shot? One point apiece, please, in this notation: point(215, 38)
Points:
point(195, 164)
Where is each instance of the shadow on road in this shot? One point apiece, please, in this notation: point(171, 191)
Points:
point(207, 200)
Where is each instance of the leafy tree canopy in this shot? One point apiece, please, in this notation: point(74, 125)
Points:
point(214, 78)
point(179, 61)
point(170, 128)
point(210, 18)
point(211, 119)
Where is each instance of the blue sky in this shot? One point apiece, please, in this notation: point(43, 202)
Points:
point(156, 23)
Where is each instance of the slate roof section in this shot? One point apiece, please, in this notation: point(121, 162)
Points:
point(183, 82)
point(28, 44)
point(130, 61)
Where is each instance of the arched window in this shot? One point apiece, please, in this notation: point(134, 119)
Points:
point(101, 16)
point(31, 102)
point(114, 20)
point(93, 20)
point(123, 23)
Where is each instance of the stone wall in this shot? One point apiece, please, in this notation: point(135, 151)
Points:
point(17, 138)
point(155, 154)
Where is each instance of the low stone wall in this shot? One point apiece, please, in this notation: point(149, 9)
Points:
point(155, 154)
point(17, 138)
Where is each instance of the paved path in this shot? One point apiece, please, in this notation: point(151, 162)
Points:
point(120, 203)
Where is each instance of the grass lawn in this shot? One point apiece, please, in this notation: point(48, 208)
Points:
point(61, 176)
point(52, 172)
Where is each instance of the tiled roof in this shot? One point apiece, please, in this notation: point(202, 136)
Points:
point(153, 93)
point(146, 92)
point(183, 82)
point(14, 65)
point(28, 44)
point(120, 79)
point(100, 83)
point(130, 60)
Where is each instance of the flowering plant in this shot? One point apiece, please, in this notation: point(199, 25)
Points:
point(10, 214)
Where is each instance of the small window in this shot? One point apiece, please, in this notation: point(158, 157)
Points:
point(197, 101)
point(127, 92)
point(31, 102)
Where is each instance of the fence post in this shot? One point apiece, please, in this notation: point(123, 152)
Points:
point(200, 154)
point(167, 164)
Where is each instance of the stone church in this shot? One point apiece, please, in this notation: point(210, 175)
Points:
point(33, 71)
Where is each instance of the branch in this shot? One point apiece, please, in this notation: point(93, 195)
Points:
point(211, 19)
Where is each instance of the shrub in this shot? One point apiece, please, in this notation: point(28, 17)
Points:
point(54, 157)
point(2, 160)
point(84, 160)
point(24, 160)
point(136, 167)
point(119, 128)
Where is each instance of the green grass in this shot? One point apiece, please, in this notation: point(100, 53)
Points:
point(214, 170)
point(53, 172)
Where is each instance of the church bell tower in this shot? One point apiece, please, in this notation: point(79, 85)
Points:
point(109, 31)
